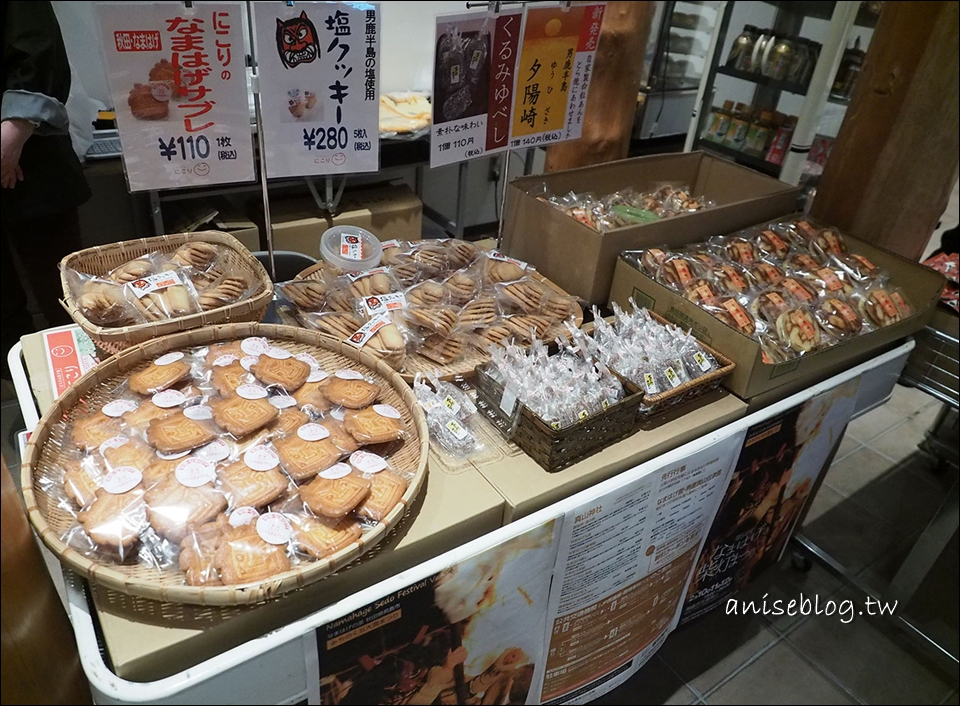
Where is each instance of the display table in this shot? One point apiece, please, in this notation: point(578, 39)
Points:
point(272, 653)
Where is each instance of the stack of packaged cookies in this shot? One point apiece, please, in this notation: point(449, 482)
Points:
point(233, 462)
point(437, 300)
point(197, 277)
point(793, 286)
point(626, 207)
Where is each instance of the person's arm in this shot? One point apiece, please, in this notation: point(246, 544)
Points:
point(36, 69)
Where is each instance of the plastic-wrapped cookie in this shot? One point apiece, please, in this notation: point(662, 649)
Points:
point(706, 258)
point(772, 244)
point(838, 317)
point(732, 313)
point(830, 242)
point(858, 266)
point(731, 279)
point(772, 351)
point(767, 274)
point(879, 307)
point(742, 251)
point(652, 259)
point(802, 262)
point(700, 290)
point(678, 271)
point(801, 291)
point(830, 282)
point(805, 230)
point(798, 329)
point(768, 306)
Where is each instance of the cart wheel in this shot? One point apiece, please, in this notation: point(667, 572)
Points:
point(801, 562)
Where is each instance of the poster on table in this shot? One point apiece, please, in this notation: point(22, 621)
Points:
point(472, 633)
point(319, 66)
point(474, 67)
point(778, 467)
point(553, 74)
point(624, 562)
point(178, 83)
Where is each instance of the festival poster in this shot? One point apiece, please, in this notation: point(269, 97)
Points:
point(553, 74)
point(318, 66)
point(474, 68)
point(472, 633)
point(780, 462)
point(179, 88)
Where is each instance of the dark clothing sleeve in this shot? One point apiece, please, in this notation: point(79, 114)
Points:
point(36, 83)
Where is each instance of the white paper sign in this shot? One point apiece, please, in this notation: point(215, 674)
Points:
point(319, 66)
point(179, 89)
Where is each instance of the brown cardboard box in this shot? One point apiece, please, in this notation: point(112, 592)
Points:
point(581, 260)
point(527, 487)
point(147, 640)
point(389, 212)
point(752, 376)
point(230, 220)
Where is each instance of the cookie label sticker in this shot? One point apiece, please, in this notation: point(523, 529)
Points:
point(254, 345)
point(152, 283)
point(701, 361)
point(169, 398)
point(367, 462)
point(338, 470)
point(385, 410)
point(737, 312)
point(450, 404)
point(248, 361)
point(251, 391)
point(360, 337)
point(317, 375)
point(243, 516)
point(194, 472)
point(797, 289)
point(225, 360)
point(377, 304)
point(337, 413)
point(172, 456)
point(112, 443)
point(354, 276)
point(214, 451)
point(348, 374)
point(118, 408)
point(282, 401)
point(308, 359)
point(121, 479)
point(704, 291)
point(169, 358)
point(900, 302)
point(807, 261)
point(745, 252)
point(351, 246)
point(770, 272)
point(776, 300)
point(390, 244)
point(864, 261)
point(494, 255)
point(683, 271)
point(198, 412)
point(845, 311)
point(672, 376)
point(261, 458)
point(830, 279)
point(274, 528)
point(457, 430)
point(313, 432)
point(889, 308)
point(775, 241)
point(278, 353)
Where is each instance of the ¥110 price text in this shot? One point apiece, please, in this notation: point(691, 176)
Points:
point(184, 148)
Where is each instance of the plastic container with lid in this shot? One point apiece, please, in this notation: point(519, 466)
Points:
point(350, 248)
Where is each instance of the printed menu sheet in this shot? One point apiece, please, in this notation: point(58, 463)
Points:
point(179, 87)
point(624, 563)
point(319, 66)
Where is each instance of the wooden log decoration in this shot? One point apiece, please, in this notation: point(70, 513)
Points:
point(612, 101)
point(894, 162)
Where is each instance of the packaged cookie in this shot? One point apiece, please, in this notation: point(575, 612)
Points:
point(839, 318)
point(114, 519)
point(335, 492)
point(253, 551)
point(349, 389)
point(801, 261)
point(386, 492)
point(443, 349)
point(829, 242)
point(798, 329)
point(186, 498)
point(731, 279)
point(320, 537)
point(883, 307)
point(375, 282)
point(460, 253)
point(700, 291)
point(829, 281)
point(857, 266)
point(800, 291)
point(164, 372)
point(386, 337)
point(804, 230)
point(647, 261)
point(706, 257)
point(766, 274)
point(768, 306)
point(738, 249)
point(677, 271)
point(498, 268)
point(731, 312)
point(377, 424)
point(772, 244)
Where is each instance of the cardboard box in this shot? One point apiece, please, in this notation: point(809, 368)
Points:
point(148, 640)
point(389, 212)
point(581, 260)
point(752, 376)
point(527, 487)
point(230, 220)
point(54, 359)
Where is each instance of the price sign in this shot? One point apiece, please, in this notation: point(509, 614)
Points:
point(553, 76)
point(319, 68)
point(474, 71)
point(179, 89)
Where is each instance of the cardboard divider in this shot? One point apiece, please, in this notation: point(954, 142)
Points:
point(582, 260)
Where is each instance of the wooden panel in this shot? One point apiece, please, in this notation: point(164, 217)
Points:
point(894, 162)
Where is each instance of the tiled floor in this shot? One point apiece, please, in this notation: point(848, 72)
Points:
point(877, 497)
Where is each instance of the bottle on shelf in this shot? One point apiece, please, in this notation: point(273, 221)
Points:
point(739, 124)
point(742, 50)
point(759, 135)
point(718, 122)
point(781, 140)
point(777, 64)
point(849, 69)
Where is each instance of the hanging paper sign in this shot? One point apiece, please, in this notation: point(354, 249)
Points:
point(553, 77)
point(318, 66)
point(473, 77)
point(179, 89)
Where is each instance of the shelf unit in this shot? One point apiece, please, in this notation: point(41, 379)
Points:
point(788, 20)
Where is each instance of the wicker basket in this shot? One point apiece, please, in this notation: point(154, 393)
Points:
point(103, 258)
point(464, 367)
point(556, 449)
point(49, 444)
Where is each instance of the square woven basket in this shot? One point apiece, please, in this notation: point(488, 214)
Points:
point(101, 259)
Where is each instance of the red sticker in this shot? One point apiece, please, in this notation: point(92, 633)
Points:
point(830, 279)
point(797, 289)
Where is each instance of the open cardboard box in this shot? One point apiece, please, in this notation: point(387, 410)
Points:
point(582, 260)
point(753, 377)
